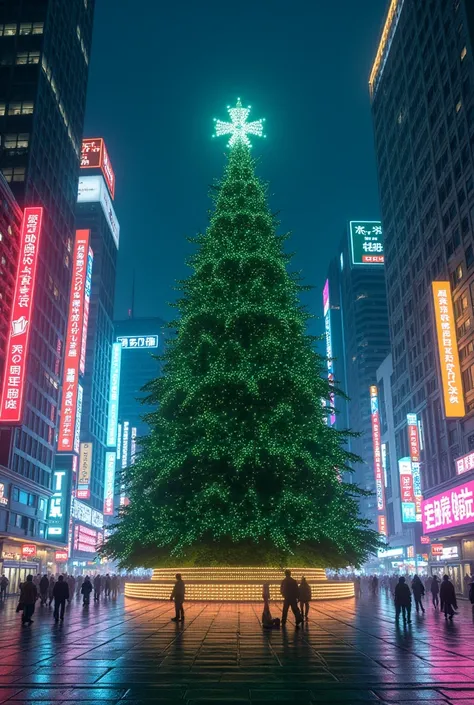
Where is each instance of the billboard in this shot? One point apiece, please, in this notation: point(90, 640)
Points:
point(28, 550)
point(464, 463)
point(414, 450)
point(58, 519)
point(85, 470)
point(448, 350)
point(11, 404)
point(92, 189)
point(85, 539)
point(114, 392)
point(327, 328)
point(406, 480)
point(408, 512)
point(94, 155)
point(109, 483)
point(382, 522)
point(87, 299)
point(366, 242)
point(68, 441)
point(140, 341)
point(449, 509)
point(376, 435)
point(61, 556)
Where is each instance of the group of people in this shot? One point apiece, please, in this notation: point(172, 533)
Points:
point(443, 596)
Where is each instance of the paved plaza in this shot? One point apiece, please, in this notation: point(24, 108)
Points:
point(128, 651)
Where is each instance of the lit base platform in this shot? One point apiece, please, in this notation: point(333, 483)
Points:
point(235, 584)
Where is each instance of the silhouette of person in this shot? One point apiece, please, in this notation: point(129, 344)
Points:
point(402, 601)
point(289, 590)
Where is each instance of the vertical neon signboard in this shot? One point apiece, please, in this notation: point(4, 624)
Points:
point(448, 351)
point(114, 390)
point(414, 449)
point(11, 405)
point(68, 440)
point(327, 328)
point(376, 437)
point(109, 483)
point(87, 298)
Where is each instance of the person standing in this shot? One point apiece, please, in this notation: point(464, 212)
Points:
point(52, 583)
point(97, 587)
point(43, 588)
point(357, 586)
point(79, 582)
point(28, 597)
point(60, 594)
point(107, 585)
point(435, 591)
point(418, 591)
point(114, 586)
point(402, 601)
point(375, 585)
point(86, 590)
point(3, 587)
point(447, 596)
point(177, 595)
point(71, 581)
point(305, 595)
point(289, 590)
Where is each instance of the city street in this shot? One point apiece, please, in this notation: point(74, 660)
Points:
point(347, 653)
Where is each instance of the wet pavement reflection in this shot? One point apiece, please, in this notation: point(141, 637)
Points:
point(129, 651)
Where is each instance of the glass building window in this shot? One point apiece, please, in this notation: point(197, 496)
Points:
point(23, 108)
point(31, 28)
point(2, 109)
point(16, 141)
point(16, 174)
point(7, 30)
point(27, 57)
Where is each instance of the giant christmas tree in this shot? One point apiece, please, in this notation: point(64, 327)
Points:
point(240, 467)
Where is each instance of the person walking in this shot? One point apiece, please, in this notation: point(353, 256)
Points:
point(71, 581)
point(3, 587)
point(114, 586)
point(305, 595)
point(107, 585)
point(177, 595)
point(447, 596)
point(28, 597)
point(52, 583)
point(60, 594)
point(86, 590)
point(97, 587)
point(43, 588)
point(435, 591)
point(375, 585)
point(402, 601)
point(289, 590)
point(418, 590)
point(79, 582)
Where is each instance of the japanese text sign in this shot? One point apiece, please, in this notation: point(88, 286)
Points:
point(94, 155)
point(67, 427)
point(464, 463)
point(85, 469)
point(109, 483)
point(87, 298)
point(61, 556)
point(28, 550)
point(449, 509)
point(114, 392)
point(58, 513)
point(366, 242)
point(329, 360)
point(437, 549)
point(376, 437)
point(134, 342)
point(448, 350)
point(382, 522)
point(11, 403)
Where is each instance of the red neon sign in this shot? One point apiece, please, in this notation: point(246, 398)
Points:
point(87, 299)
point(94, 155)
point(61, 556)
point(75, 326)
point(382, 520)
point(11, 404)
point(28, 550)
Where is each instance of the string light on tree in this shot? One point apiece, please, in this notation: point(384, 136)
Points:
point(238, 127)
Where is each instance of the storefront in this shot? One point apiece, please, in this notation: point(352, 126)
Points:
point(456, 559)
point(19, 559)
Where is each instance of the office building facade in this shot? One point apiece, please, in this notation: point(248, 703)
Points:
point(422, 95)
point(45, 47)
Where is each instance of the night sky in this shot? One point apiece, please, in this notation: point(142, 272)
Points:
point(161, 71)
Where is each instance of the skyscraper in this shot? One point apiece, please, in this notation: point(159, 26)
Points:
point(355, 301)
point(45, 47)
point(422, 93)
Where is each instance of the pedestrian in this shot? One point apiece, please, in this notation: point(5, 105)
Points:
point(471, 595)
point(28, 597)
point(435, 591)
point(375, 585)
point(305, 597)
point(177, 595)
point(86, 590)
point(60, 594)
point(114, 586)
point(402, 601)
point(79, 582)
point(3, 587)
point(268, 622)
point(43, 589)
point(418, 590)
point(107, 585)
point(357, 586)
point(447, 596)
point(289, 590)
point(97, 587)
point(52, 583)
point(71, 581)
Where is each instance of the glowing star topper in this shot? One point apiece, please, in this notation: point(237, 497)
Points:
point(238, 128)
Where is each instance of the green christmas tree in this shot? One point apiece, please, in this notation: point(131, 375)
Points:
point(240, 467)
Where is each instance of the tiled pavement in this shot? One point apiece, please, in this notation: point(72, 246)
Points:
point(129, 652)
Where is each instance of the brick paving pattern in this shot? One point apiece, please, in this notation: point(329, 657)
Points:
point(128, 651)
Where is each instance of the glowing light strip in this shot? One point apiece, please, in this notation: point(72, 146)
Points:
point(390, 26)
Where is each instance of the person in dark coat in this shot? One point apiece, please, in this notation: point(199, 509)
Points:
point(28, 597)
point(86, 590)
point(447, 596)
point(289, 590)
point(97, 587)
point(403, 601)
point(108, 584)
point(177, 595)
point(418, 590)
point(43, 588)
point(435, 591)
point(268, 622)
point(305, 597)
point(60, 594)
